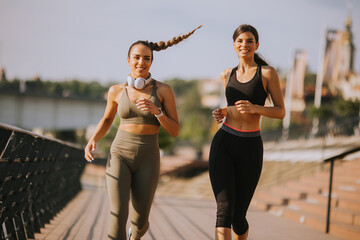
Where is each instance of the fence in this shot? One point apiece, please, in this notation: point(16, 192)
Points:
point(38, 177)
point(333, 127)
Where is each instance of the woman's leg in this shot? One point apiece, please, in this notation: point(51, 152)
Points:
point(248, 166)
point(241, 237)
point(118, 180)
point(222, 233)
point(143, 186)
point(222, 176)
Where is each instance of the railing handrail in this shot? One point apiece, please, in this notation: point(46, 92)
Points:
point(342, 155)
point(36, 135)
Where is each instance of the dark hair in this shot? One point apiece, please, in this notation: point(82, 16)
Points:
point(158, 46)
point(145, 43)
point(248, 28)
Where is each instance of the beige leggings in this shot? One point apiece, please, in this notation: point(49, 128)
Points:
point(132, 169)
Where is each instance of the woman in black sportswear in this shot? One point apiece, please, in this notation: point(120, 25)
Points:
point(236, 152)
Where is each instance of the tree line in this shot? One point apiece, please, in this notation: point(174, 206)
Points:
point(72, 88)
point(196, 124)
point(195, 119)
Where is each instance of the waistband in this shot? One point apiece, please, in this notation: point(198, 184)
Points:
point(150, 120)
point(124, 136)
point(240, 133)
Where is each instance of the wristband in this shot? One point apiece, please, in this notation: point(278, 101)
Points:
point(160, 114)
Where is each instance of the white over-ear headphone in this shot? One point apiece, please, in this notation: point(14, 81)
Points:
point(138, 83)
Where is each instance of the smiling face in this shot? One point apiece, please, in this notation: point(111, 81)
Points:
point(245, 44)
point(139, 60)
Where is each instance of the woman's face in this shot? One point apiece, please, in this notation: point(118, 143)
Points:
point(140, 61)
point(245, 44)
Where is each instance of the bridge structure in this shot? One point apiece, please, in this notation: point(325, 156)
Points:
point(41, 198)
point(35, 111)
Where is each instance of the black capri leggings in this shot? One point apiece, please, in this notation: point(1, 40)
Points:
point(235, 165)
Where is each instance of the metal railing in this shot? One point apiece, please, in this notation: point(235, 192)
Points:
point(38, 177)
point(338, 128)
point(333, 127)
point(331, 176)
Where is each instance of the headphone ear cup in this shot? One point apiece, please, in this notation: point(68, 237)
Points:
point(130, 81)
point(139, 83)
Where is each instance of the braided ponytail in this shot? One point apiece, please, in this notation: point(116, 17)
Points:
point(158, 46)
point(164, 45)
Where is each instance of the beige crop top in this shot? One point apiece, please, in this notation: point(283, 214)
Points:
point(129, 113)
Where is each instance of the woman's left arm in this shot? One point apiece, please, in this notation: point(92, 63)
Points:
point(272, 85)
point(169, 120)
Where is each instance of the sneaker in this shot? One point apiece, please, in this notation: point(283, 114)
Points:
point(129, 233)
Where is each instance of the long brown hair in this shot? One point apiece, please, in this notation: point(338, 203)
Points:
point(248, 28)
point(158, 46)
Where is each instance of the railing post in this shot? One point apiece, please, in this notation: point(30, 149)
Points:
point(329, 195)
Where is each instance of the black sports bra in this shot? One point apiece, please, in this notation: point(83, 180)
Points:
point(253, 90)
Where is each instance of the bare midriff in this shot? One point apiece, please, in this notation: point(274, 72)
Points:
point(242, 121)
point(140, 129)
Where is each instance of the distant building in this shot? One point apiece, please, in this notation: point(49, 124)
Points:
point(348, 53)
point(349, 83)
point(350, 87)
point(294, 92)
point(337, 73)
point(3, 74)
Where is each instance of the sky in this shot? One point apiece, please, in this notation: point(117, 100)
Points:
point(89, 39)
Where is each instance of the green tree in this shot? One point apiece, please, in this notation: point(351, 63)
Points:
point(180, 87)
point(323, 112)
point(104, 143)
point(166, 141)
point(310, 79)
point(347, 108)
point(195, 119)
point(10, 86)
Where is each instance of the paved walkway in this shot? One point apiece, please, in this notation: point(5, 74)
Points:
point(86, 217)
point(183, 209)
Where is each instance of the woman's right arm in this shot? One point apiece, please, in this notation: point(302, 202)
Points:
point(105, 122)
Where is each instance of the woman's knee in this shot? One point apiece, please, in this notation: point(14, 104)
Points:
point(240, 226)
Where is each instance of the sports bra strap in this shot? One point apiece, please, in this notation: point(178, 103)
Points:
point(154, 88)
point(231, 73)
